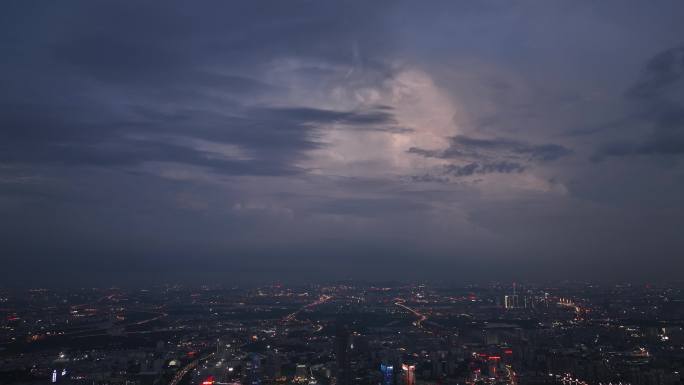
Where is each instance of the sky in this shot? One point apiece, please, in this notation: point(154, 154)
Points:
point(175, 141)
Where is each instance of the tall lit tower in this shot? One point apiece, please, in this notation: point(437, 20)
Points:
point(387, 374)
point(409, 374)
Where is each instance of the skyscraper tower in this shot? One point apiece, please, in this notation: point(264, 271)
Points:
point(253, 370)
point(387, 374)
point(408, 371)
point(342, 352)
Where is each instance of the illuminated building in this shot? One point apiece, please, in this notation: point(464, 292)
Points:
point(511, 301)
point(253, 370)
point(387, 374)
point(301, 374)
point(409, 374)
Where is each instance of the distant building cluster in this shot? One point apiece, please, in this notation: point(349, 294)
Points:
point(345, 334)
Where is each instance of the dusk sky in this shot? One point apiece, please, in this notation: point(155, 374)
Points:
point(231, 141)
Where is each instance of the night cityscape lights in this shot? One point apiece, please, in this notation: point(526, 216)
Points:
point(345, 333)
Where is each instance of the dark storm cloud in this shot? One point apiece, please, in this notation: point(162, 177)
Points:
point(44, 137)
point(379, 118)
point(180, 39)
point(483, 168)
point(275, 136)
point(446, 173)
point(657, 98)
point(462, 146)
point(167, 62)
point(543, 152)
point(663, 70)
point(314, 115)
point(486, 156)
point(240, 135)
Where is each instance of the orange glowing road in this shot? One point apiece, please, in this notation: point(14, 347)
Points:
point(292, 316)
point(159, 316)
point(186, 369)
point(421, 317)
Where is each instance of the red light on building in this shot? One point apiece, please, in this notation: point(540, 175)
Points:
point(208, 381)
point(494, 357)
point(508, 351)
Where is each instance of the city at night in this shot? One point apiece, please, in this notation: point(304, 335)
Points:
point(303, 192)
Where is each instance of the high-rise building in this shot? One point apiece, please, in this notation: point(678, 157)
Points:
point(408, 372)
point(511, 301)
point(301, 373)
point(272, 365)
point(387, 374)
point(439, 364)
point(253, 370)
point(343, 353)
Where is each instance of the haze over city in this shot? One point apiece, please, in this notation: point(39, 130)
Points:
point(305, 141)
point(370, 192)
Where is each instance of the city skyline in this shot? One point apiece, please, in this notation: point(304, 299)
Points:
point(149, 142)
point(501, 333)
